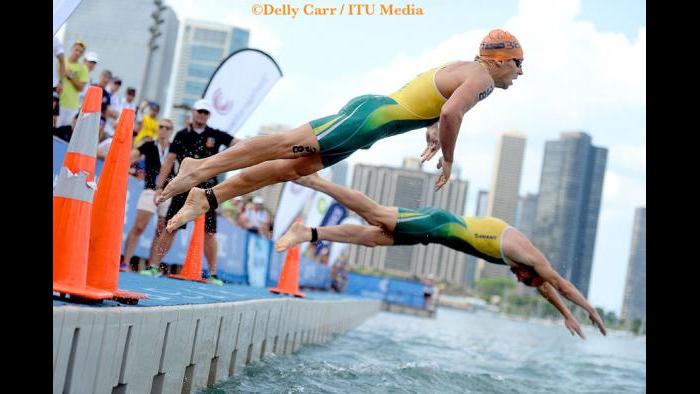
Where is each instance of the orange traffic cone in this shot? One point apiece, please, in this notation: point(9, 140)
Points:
point(108, 215)
point(192, 269)
point(289, 277)
point(72, 205)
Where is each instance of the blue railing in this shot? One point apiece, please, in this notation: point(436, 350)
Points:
point(390, 290)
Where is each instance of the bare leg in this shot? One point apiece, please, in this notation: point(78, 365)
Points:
point(160, 226)
point(246, 181)
point(345, 233)
point(142, 218)
point(299, 142)
point(162, 245)
point(210, 248)
point(368, 209)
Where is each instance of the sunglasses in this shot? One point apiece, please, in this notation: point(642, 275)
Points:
point(518, 62)
point(203, 111)
point(162, 126)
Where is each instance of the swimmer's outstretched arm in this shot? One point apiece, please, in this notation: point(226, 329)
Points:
point(462, 100)
point(567, 289)
point(549, 294)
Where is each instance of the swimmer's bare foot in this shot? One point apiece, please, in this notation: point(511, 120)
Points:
point(296, 234)
point(195, 206)
point(185, 180)
point(308, 180)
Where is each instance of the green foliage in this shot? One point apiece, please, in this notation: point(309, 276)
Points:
point(488, 287)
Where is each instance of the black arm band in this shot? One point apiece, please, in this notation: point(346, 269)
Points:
point(213, 204)
point(314, 235)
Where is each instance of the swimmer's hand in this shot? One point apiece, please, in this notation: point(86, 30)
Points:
point(432, 141)
point(598, 322)
point(574, 327)
point(446, 172)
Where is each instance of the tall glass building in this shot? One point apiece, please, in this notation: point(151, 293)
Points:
point(634, 305)
point(203, 46)
point(568, 206)
point(118, 32)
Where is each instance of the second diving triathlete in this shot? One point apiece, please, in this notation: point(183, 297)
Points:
point(486, 237)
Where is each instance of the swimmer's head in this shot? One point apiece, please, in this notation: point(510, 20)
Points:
point(527, 275)
point(503, 55)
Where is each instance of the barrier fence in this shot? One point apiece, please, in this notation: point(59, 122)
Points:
point(243, 257)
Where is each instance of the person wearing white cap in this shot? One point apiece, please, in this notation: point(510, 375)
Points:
point(256, 219)
point(197, 140)
point(89, 61)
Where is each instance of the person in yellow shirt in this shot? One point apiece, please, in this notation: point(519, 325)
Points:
point(74, 80)
point(485, 237)
point(149, 124)
point(438, 97)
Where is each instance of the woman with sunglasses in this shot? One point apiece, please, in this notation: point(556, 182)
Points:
point(153, 153)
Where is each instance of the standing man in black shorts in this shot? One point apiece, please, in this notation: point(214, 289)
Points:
point(195, 141)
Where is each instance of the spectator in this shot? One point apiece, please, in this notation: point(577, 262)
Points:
point(75, 79)
point(105, 140)
point(130, 101)
point(339, 274)
point(232, 209)
point(149, 124)
point(103, 82)
point(90, 61)
point(256, 219)
point(116, 103)
point(59, 66)
point(56, 108)
point(197, 141)
point(429, 291)
point(154, 153)
point(65, 132)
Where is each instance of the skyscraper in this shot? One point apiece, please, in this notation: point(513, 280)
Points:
point(204, 46)
point(634, 305)
point(118, 32)
point(505, 187)
point(566, 222)
point(526, 214)
point(410, 189)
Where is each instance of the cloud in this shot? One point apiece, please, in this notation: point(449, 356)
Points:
point(632, 158)
point(623, 191)
point(261, 36)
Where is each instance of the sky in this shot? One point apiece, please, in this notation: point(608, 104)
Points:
point(584, 70)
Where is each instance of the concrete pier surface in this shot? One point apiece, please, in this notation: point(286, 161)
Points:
point(187, 335)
